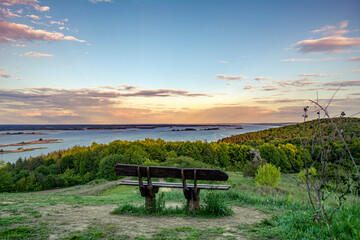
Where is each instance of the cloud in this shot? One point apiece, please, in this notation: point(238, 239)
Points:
point(19, 45)
point(4, 75)
point(333, 30)
point(354, 59)
point(344, 83)
point(308, 59)
point(230, 77)
point(297, 60)
point(8, 13)
point(17, 79)
point(36, 54)
point(57, 22)
point(270, 88)
point(33, 3)
point(296, 82)
point(315, 75)
point(21, 32)
point(248, 87)
point(260, 79)
point(334, 42)
point(357, 70)
point(33, 17)
point(163, 93)
point(222, 61)
point(97, 1)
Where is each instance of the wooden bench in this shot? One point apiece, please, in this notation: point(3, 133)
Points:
point(148, 189)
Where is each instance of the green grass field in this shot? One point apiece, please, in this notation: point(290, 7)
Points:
point(84, 212)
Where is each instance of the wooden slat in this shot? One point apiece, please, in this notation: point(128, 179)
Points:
point(172, 172)
point(175, 185)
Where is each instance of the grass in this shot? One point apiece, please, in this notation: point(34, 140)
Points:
point(214, 206)
point(21, 216)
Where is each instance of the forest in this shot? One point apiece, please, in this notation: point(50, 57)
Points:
point(283, 147)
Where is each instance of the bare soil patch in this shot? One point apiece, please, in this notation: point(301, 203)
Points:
point(66, 219)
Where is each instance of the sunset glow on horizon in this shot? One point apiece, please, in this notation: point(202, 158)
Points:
point(176, 62)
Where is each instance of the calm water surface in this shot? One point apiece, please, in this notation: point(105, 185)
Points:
point(71, 138)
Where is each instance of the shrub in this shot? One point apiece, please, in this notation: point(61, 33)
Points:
point(252, 165)
point(267, 175)
point(302, 175)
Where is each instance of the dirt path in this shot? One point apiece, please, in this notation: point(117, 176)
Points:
point(66, 219)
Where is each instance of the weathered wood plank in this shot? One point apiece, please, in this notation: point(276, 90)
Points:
point(171, 172)
point(175, 185)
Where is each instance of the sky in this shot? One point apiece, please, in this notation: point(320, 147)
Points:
point(177, 61)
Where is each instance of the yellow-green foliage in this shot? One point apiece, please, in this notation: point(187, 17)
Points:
point(302, 175)
point(267, 175)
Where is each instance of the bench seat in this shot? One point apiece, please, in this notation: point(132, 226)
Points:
point(176, 185)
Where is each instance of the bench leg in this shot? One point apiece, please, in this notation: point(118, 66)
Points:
point(193, 199)
point(149, 196)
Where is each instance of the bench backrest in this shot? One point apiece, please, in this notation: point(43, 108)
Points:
point(171, 172)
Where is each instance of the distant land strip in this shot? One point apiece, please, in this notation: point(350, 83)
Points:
point(40, 141)
point(6, 127)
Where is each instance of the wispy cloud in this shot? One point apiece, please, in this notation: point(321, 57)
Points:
point(97, 1)
point(4, 75)
point(329, 30)
point(260, 79)
point(33, 3)
point(297, 60)
point(21, 32)
point(19, 45)
point(33, 17)
point(222, 61)
point(334, 42)
point(344, 83)
point(309, 59)
point(315, 75)
point(354, 59)
point(37, 54)
point(296, 82)
point(57, 22)
point(8, 13)
point(230, 77)
point(249, 87)
point(270, 88)
point(357, 70)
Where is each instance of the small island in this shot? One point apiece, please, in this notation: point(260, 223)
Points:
point(20, 149)
point(40, 141)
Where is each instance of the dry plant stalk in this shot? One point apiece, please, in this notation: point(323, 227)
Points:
point(327, 191)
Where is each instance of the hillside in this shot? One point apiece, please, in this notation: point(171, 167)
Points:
point(349, 126)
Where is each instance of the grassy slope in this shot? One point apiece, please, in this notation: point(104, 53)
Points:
point(350, 127)
point(22, 215)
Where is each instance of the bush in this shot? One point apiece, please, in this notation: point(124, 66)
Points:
point(302, 175)
point(255, 162)
point(267, 175)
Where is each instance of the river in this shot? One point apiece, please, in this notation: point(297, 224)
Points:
point(71, 138)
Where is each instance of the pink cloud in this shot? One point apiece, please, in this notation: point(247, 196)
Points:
point(37, 54)
point(354, 59)
point(329, 30)
point(8, 13)
point(33, 17)
point(230, 77)
point(4, 75)
point(260, 79)
point(21, 32)
point(33, 3)
point(332, 44)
